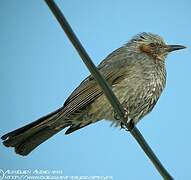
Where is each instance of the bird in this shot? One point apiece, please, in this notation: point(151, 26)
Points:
point(136, 73)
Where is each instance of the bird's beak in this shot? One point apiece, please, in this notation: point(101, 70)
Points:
point(171, 48)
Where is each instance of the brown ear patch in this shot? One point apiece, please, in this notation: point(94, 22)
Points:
point(145, 48)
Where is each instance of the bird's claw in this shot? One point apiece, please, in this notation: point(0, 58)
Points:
point(126, 113)
point(122, 125)
point(129, 124)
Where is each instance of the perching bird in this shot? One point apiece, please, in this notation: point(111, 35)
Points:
point(137, 75)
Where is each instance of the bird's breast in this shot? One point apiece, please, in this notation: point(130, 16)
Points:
point(138, 92)
point(145, 93)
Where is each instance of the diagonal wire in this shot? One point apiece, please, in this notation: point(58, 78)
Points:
point(106, 88)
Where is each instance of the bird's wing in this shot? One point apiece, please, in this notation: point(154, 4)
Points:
point(111, 68)
point(88, 91)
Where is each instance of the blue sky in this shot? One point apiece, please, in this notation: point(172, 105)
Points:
point(39, 69)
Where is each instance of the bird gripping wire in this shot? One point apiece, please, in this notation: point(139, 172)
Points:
point(106, 88)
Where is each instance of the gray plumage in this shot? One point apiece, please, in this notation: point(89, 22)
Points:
point(137, 75)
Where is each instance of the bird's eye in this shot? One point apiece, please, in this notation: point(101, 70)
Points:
point(152, 45)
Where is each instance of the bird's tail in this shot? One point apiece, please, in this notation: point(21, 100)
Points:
point(28, 137)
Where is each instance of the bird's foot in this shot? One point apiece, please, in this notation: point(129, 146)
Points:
point(126, 114)
point(122, 125)
point(128, 126)
point(125, 123)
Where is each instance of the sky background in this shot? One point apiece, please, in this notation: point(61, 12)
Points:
point(39, 68)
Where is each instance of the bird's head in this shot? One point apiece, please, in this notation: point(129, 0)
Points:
point(153, 45)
